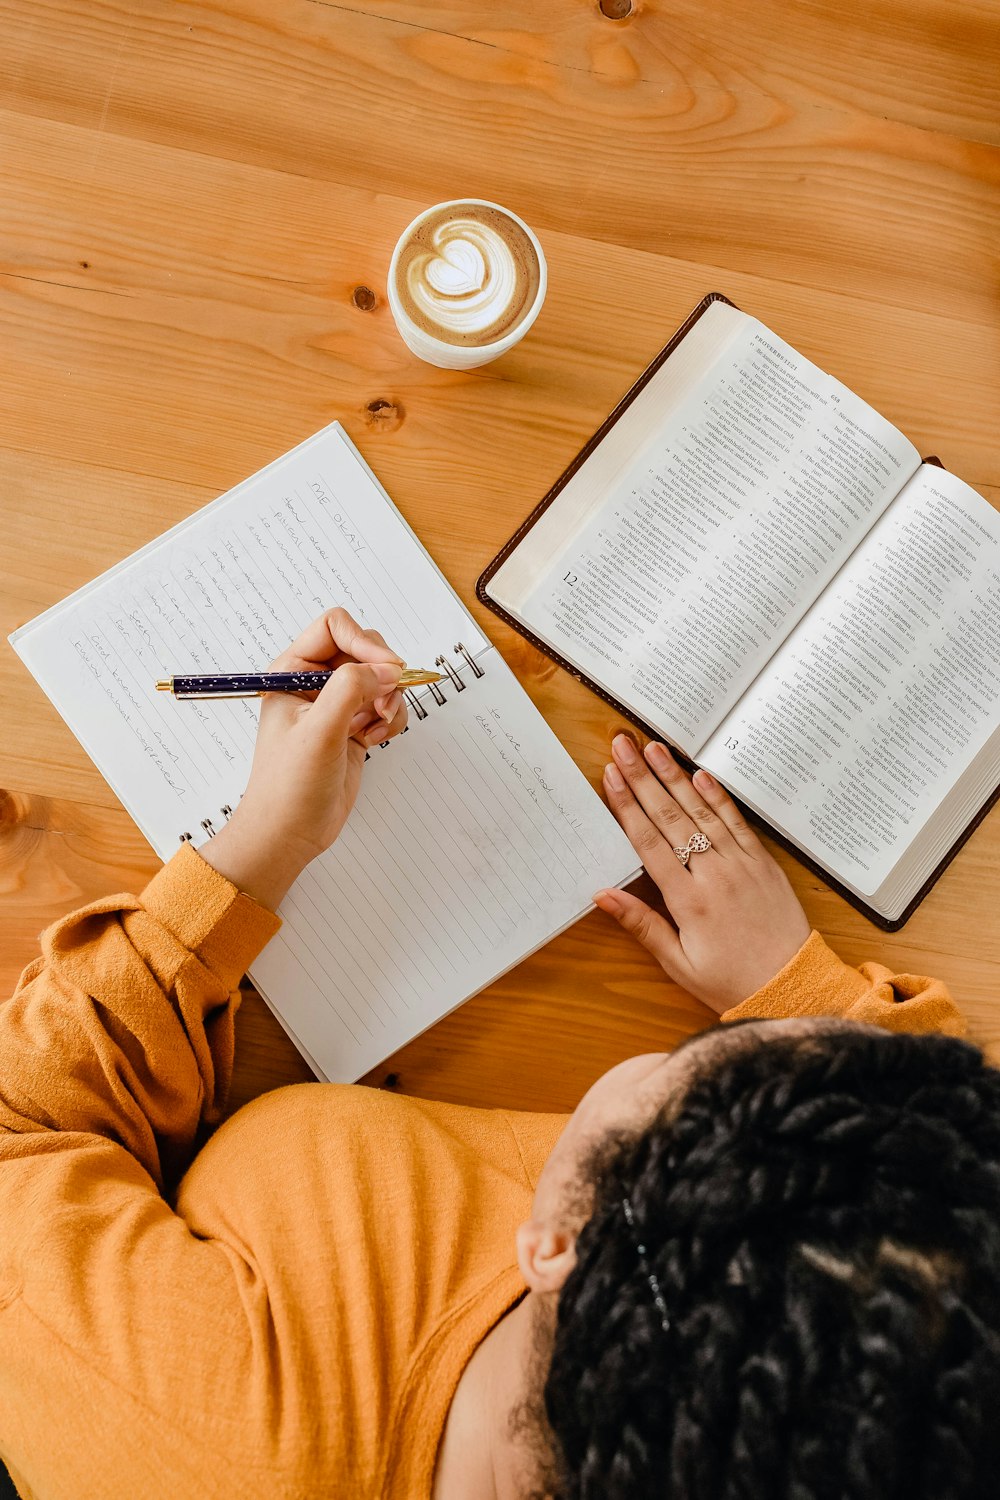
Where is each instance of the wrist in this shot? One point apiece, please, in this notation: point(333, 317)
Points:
point(264, 868)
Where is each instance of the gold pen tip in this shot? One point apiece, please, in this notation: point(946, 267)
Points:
point(164, 684)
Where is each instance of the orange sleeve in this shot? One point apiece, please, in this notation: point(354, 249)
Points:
point(815, 982)
point(115, 1318)
point(123, 1028)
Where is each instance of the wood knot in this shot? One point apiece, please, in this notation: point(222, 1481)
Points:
point(383, 415)
point(364, 298)
point(391, 1081)
point(85, 265)
point(9, 812)
point(615, 10)
point(23, 821)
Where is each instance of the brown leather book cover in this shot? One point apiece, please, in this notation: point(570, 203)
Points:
point(885, 923)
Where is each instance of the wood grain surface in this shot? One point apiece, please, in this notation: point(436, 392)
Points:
point(192, 192)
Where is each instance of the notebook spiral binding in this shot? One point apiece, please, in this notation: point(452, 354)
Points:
point(412, 698)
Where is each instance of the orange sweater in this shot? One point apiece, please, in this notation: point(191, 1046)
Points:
point(292, 1320)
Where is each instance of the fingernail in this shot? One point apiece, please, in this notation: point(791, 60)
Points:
point(376, 735)
point(703, 779)
point(614, 778)
point(608, 901)
point(387, 672)
point(388, 705)
point(624, 749)
point(658, 756)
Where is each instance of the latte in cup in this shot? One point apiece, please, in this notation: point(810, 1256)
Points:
point(466, 281)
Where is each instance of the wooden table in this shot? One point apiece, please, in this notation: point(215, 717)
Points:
point(194, 192)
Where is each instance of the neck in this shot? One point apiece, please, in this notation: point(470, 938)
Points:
point(481, 1457)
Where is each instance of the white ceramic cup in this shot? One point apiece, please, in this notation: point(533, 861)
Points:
point(461, 356)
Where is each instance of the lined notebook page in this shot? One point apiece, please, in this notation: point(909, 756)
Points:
point(230, 588)
point(474, 840)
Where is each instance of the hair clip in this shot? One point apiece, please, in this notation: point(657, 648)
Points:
point(650, 1275)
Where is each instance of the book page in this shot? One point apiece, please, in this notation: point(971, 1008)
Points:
point(227, 590)
point(885, 694)
point(473, 841)
point(727, 524)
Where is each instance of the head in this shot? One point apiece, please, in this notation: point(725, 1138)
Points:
point(818, 1209)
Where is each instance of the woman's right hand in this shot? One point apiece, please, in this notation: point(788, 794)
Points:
point(308, 757)
point(735, 918)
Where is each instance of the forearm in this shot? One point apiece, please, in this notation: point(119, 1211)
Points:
point(816, 982)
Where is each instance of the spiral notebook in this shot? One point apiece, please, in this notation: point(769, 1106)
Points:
point(475, 838)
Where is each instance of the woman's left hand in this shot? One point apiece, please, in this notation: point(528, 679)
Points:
point(734, 918)
point(309, 755)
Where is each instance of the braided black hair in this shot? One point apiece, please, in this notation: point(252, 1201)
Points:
point(823, 1218)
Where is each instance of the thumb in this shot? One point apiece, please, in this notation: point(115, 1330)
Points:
point(352, 688)
point(652, 931)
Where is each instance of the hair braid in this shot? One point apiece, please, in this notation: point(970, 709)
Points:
point(823, 1218)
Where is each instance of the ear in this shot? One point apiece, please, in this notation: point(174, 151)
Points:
point(545, 1254)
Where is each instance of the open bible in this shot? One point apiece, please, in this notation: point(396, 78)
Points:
point(757, 567)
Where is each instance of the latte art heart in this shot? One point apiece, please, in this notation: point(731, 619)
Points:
point(467, 282)
point(458, 270)
point(468, 276)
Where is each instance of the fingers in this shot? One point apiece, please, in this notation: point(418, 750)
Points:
point(336, 638)
point(729, 814)
point(648, 842)
point(353, 689)
point(364, 645)
point(652, 931)
point(392, 721)
point(660, 807)
point(336, 632)
point(688, 798)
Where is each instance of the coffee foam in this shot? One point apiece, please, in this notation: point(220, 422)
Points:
point(468, 275)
